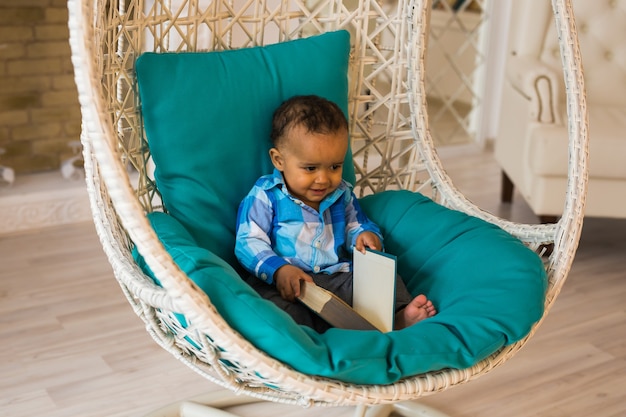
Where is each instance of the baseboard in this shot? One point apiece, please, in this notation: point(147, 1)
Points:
point(42, 200)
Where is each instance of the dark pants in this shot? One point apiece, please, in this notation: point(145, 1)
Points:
point(339, 284)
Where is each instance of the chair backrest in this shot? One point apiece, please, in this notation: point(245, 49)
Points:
point(601, 33)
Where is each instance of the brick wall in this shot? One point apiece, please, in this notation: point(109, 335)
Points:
point(39, 112)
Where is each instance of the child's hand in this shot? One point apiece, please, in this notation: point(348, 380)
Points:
point(288, 279)
point(367, 240)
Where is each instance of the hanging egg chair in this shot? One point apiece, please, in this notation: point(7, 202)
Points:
point(176, 100)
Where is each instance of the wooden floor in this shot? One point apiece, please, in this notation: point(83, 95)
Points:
point(71, 346)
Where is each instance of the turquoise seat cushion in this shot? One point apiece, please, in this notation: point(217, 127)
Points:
point(487, 286)
point(207, 118)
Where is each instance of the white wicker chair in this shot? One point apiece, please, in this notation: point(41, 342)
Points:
point(386, 74)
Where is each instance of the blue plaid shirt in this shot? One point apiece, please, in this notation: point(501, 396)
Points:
point(275, 229)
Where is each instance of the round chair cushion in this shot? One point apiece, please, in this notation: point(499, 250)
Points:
point(207, 120)
point(487, 286)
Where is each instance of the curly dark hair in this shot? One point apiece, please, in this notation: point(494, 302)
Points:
point(315, 113)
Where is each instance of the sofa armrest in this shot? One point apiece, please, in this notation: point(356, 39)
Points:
point(538, 83)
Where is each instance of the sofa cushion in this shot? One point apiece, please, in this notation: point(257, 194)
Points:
point(547, 148)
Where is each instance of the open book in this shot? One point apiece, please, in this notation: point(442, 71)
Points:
point(374, 275)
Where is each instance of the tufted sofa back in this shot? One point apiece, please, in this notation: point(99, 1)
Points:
point(602, 36)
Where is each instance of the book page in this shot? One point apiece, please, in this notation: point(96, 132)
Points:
point(374, 288)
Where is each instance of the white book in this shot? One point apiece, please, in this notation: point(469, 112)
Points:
point(374, 293)
point(374, 288)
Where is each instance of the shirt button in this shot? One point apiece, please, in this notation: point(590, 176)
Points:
point(318, 244)
point(264, 276)
point(316, 269)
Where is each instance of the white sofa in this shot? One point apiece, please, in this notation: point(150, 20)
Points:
point(531, 145)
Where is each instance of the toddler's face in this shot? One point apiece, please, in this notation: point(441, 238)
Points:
point(311, 163)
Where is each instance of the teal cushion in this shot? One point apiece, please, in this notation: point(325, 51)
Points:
point(487, 286)
point(207, 118)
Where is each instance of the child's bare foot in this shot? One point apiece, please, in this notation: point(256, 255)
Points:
point(418, 309)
